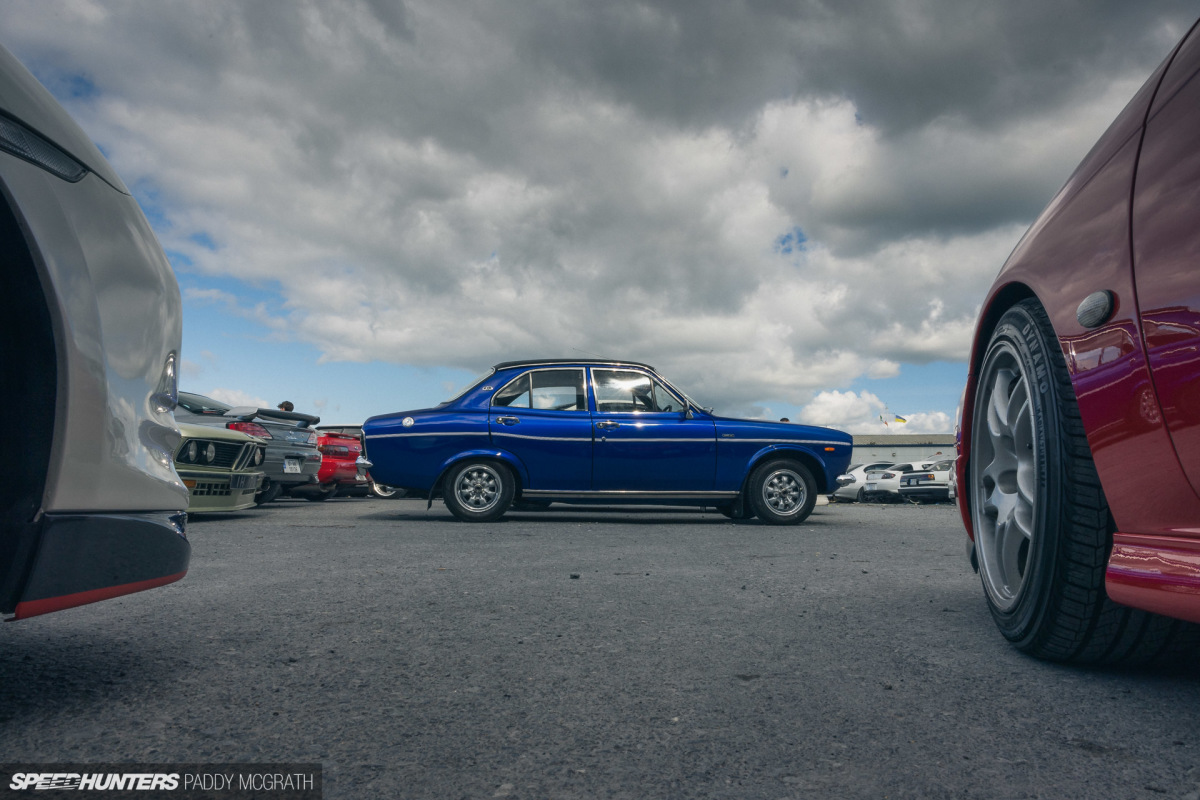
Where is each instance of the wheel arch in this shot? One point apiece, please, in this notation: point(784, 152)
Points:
point(29, 371)
point(809, 459)
point(1001, 301)
point(505, 457)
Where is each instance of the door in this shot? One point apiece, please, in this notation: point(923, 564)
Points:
point(644, 440)
point(542, 418)
point(1166, 251)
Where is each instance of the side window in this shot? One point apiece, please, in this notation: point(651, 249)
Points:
point(515, 394)
point(559, 390)
point(621, 391)
point(550, 389)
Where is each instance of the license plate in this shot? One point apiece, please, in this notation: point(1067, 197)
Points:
point(291, 465)
point(242, 481)
point(870, 487)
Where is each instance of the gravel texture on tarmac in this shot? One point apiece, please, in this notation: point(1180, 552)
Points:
point(590, 653)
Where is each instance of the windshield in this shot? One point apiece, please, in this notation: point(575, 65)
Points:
point(690, 401)
point(198, 404)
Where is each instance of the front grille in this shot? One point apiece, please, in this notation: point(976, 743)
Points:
point(246, 459)
point(227, 453)
point(211, 489)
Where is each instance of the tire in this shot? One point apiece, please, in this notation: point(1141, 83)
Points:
point(384, 492)
point(1043, 530)
point(782, 492)
point(861, 497)
point(479, 491)
point(269, 493)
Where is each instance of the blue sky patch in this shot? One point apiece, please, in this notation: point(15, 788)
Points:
point(791, 242)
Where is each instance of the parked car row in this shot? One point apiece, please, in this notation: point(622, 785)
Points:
point(922, 481)
point(285, 456)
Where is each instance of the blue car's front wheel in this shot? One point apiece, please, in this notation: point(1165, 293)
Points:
point(479, 491)
point(782, 492)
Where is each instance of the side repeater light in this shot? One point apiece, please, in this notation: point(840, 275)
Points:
point(1096, 309)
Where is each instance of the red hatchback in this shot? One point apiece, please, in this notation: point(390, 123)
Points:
point(341, 471)
point(1079, 452)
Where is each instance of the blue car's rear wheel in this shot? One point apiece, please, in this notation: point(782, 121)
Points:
point(479, 491)
point(782, 492)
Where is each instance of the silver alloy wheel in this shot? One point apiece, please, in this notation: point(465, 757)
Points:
point(784, 492)
point(478, 487)
point(1003, 479)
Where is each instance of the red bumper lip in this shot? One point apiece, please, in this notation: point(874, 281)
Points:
point(33, 608)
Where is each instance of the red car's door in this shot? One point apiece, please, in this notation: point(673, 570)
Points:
point(1166, 252)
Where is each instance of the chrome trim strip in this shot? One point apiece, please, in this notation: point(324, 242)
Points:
point(785, 441)
point(638, 440)
point(542, 438)
point(620, 493)
point(429, 433)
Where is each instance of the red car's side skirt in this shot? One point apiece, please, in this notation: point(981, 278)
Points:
point(1155, 573)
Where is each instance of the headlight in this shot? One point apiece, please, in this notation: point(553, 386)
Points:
point(166, 396)
point(210, 453)
point(258, 456)
point(190, 452)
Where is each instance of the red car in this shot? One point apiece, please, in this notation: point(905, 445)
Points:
point(1079, 438)
point(342, 469)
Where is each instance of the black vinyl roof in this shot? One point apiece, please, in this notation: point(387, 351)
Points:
point(540, 362)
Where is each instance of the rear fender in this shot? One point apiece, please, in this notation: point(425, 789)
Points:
point(504, 456)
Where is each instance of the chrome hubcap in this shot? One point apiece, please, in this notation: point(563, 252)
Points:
point(1004, 477)
point(478, 487)
point(784, 492)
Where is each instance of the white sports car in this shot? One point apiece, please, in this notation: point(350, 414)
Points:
point(90, 504)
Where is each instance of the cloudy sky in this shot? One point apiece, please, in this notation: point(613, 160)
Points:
point(790, 207)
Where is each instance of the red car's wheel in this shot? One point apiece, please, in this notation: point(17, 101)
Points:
point(1042, 527)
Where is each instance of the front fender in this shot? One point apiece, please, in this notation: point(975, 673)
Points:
point(817, 464)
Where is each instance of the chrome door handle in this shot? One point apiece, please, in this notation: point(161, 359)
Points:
point(607, 424)
point(507, 420)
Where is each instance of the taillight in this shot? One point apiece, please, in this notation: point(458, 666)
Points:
point(312, 438)
point(888, 475)
point(252, 428)
point(334, 449)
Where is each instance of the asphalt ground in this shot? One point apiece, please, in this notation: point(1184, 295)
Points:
point(590, 653)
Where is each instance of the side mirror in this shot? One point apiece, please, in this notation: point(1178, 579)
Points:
point(687, 413)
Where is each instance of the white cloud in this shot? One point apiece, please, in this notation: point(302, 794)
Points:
point(769, 205)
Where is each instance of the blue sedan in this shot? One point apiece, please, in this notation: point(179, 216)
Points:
point(536, 432)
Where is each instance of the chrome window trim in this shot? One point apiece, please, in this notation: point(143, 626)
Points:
point(653, 376)
point(527, 373)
